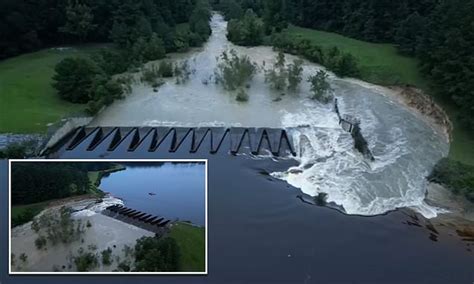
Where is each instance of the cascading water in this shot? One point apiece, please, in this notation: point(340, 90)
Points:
point(405, 148)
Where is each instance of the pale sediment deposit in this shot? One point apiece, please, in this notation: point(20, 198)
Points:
point(100, 233)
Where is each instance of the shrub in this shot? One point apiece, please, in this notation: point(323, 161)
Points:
point(124, 266)
point(40, 242)
point(242, 96)
point(85, 261)
point(150, 74)
point(166, 69)
point(23, 257)
point(107, 256)
point(182, 72)
point(104, 92)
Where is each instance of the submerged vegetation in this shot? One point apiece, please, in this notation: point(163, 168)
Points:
point(283, 77)
point(235, 72)
point(343, 64)
point(276, 76)
point(320, 86)
point(57, 226)
point(182, 72)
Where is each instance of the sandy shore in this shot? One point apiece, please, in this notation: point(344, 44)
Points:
point(104, 232)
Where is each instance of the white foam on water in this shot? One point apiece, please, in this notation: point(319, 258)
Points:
point(96, 208)
point(329, 163)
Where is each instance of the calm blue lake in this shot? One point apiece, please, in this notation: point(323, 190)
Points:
point(171, 190)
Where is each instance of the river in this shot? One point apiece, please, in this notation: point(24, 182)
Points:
point(404, 146)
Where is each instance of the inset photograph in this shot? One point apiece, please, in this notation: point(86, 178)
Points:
point(108, 216)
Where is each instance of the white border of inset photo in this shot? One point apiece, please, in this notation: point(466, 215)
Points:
point(108, 273)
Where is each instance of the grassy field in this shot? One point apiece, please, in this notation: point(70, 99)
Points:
point(191, 241)
point(30, 209)
point(381, 64)
point(28, 102)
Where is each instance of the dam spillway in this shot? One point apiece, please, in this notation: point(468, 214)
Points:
point(137, 218)
point(233, 140)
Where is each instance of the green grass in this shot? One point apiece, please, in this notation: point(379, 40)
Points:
point(28, 102)
point(35, 208)
point(379, 63)
point(191, 241)
point(21, 214)
point(382, 64)
point(462, 146)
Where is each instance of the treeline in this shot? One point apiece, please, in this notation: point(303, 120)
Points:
point(249, 29)
point(439, 33)
point(30, 25)
point(34, 182)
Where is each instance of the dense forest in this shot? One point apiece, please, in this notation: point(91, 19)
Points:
point(30, 25)
point(41, 181)
point(439, 33)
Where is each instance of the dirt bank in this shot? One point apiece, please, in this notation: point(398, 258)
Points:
point(423, 104)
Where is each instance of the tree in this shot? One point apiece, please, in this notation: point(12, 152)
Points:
point(231, 9)
point(320, 86)
point(408, 34)
point(346, 66)
point(74, 77)
point(119, 34)
point(199, 21)
point(155, 48)
point(104, 92)
point(247, 31)
point(79, 20)
point(275, 15)
point(156, 254)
